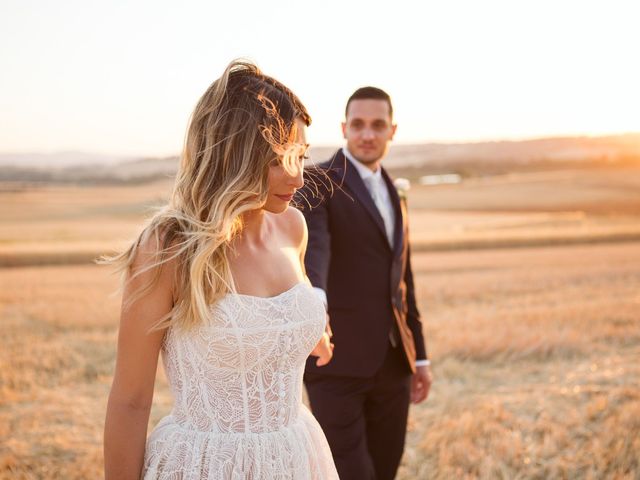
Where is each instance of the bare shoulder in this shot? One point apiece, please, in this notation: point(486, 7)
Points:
point(152, 247)
point(293, 225)
point(153, 265)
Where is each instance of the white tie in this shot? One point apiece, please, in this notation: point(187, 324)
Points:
point(374, 185)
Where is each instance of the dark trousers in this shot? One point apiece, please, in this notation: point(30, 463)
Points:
point(364, 419)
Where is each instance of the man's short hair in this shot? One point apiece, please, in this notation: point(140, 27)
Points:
point(370, 93)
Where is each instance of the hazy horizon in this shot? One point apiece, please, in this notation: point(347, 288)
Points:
point(119, 156)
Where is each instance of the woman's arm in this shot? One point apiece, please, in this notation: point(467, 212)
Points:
point(316, 219)
point(324, 349)
point(131, 394)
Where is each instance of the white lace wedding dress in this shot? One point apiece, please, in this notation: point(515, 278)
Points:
point(237, 387)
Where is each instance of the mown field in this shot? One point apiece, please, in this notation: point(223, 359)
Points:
point(535, 349)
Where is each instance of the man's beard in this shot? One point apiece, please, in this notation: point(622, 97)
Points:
point(367, 161)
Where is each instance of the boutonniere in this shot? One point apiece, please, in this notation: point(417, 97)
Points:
point(402, 186)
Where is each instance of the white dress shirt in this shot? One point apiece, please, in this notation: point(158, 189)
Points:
point(379, 193)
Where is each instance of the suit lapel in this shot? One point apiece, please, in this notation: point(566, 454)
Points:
point(355, 184)
point(399, 227)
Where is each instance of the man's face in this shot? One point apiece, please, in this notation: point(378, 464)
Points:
point(368, 130)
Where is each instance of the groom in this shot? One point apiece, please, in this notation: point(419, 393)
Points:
point(359, 261)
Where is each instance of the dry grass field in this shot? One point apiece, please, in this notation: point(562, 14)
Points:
point(536, 363)
point(535, 349)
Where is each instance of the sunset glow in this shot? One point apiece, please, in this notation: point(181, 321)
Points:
point(117, 78)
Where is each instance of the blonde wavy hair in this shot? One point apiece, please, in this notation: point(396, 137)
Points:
point(244, 122)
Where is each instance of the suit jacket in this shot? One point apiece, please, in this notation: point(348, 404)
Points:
point(369, 285)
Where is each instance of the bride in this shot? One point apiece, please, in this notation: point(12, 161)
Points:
point(216, 284)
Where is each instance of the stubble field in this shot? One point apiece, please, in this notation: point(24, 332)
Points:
point(535, 349)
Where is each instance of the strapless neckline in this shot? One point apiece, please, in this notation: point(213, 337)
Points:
point(273, 297)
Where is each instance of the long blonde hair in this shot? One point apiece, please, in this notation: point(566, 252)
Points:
point(243, 122)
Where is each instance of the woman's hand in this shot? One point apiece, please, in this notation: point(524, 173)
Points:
point(324, 348)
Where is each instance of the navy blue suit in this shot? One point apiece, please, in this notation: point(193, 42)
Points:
point(361, 397)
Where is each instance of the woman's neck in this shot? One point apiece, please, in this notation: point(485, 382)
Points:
point(254, 228)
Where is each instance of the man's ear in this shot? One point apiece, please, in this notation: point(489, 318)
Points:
point(393, 130)
point(344, 130)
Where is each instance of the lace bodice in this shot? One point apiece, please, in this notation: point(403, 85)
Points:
point(237, 386)
point(241, 371)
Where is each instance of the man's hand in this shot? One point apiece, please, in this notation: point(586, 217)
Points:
point(420, 384)
point(324, 348)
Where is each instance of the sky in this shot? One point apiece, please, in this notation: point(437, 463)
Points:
point(122, 77)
